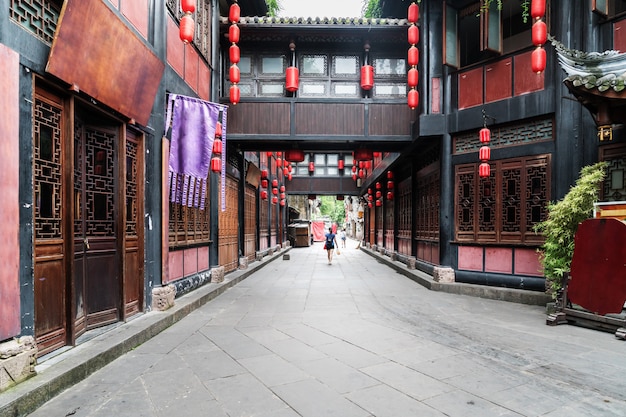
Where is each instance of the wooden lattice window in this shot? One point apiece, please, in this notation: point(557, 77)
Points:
point(427, 207)
point(37, 16)
point(505, 207)
point(203, 21)
point(188, 225)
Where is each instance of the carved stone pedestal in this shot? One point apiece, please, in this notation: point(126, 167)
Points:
point(217, 274)
point(163, 297)
point(17, 361)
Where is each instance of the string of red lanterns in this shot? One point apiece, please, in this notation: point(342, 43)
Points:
point(234, 14)
point(484, 153)
point(539, 35)
point(413, 56)
point(216, 158)
point(187, 26)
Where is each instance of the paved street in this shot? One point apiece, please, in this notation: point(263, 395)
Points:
point(355, 339)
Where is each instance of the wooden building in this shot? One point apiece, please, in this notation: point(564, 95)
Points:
point(92, 238)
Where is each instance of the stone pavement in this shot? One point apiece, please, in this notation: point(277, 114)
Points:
point(299, 337)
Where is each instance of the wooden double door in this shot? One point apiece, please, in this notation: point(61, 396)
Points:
point(89, 270)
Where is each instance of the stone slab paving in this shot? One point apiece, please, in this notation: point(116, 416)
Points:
point(303, 338)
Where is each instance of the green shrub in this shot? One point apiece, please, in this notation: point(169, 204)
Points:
point(562, 221)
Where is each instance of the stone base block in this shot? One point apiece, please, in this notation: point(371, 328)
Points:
point(217, 274)
point(443, 274)
point(17, 361)
point(163, 297)
point(393, 256)
point(259, 256)
point(411, 261)
point(286, 257)
point(243, 262)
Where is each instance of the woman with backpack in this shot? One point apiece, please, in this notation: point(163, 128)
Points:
point(329, 245)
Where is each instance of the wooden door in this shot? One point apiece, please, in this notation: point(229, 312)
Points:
point(228, 246)
point(250, 226)
point(96, 254)
point(50, 282)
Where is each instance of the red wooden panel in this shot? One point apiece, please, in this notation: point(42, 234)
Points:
point(203, 258)
point(136, 11)
point(192, 60)
point(204, 81)
point(175, 265)
point(470, 258)
point(598, 271)
point(498, 80)
point(619, 35)
point(190, 262)
point(527, 263)
point(499, 260)
point(471, 88)
point(9, 203)
point(175, 48)
point(130, 79)
point(526, 81)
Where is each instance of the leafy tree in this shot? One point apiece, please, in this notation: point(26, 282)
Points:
point(333, 208)
point(273, 7)
point(372, 9)
point(562, 222)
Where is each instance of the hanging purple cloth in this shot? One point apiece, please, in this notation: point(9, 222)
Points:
point(193, 133)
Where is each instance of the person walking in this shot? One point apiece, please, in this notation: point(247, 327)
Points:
point(342, 236)
point(329, 245)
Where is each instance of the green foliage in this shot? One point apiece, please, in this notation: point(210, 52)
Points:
point(333, 208)
point(273, 7)
point(562, 221)
point(372, 9)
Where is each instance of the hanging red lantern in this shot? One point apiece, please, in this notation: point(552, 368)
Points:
point(234, 33)
point(379, 203)
point(218, 130)
point(379, 194)
point(412, 77)
point(367, 77)
point(378, 185)
point(311, 167)
point(216, 164)
point(264, 183)
point(367, 164)
point(294, 155)
point(186, 28)
point(188, 6)
point(361, 164)
point(485, 135)
point(282, 202)
point(274, 191)
point(370, 197)
point(234, 53)
point(389, 175)
point(279, 153)
point(263, 195)
point(269, 154)
point(354, 177)
point(413, 35)
point(484, 153)
point(282, 196)
point(413, 98)
point(291, 79)
point(274, 183)
point(354, 169)
point(413, 56)
point(537, 8)
point(413, 13)
point(389, 185)
point(234, 74)
point(369, 205)
point(290, 168)
point(289, 177)
point(363, 154)
point(279, 162)
point(484, 170)
point(361, 174)
point(274, 200)
point(217, 147)
point(340, 164)
point(282, 188)
point(376, 154)
point(264, 175)
point(540, 33)
point(390, 195)
point(285, 171)
point(234, 13)
point(538, 60)
point(235, 94)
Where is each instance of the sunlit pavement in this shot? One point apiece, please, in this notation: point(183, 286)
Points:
point(300, 337)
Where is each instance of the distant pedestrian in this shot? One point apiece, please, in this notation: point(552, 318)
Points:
point(329, 245)
point(342, 236)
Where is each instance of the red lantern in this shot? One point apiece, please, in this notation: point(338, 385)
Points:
point(376, 154)
point(413, 56)
point(369, 191)
point(379, 203)
point(354, 169)
point(188, 6)
point(538, 60)
point(274, 183)
point(311, 167)
point(186, 28)
point(282, 196)
point(361, 164)
point(378, 185)
point(217, 147)
point(484, 153)
point(264, 183)
point(294, 155)
point(279, 162)
point(485, 135)
point(389, 175)
point(218, 130)
point(537, 8)
point(367, 164)
point(363, 154)
point(379, 194)
point(289, 177)
point(269, 154)
point(263, 195)
point(290, 168)
point(367, 77)
point(264, 175)
point(285, 171)
point(370, 197)
point(354, 177)
point(234, 13)
point(279, 153)
point(389, 185)
point(369, 205)
point(282, 202)
point(412, 77)
point(484, 170)
point(234, 74)
point(291, 79)
point(234, 33)
point(413, 98)
point(340, 164)
point(274, 200)
point(390, 195)
point(234, 53)
point(235, 94)
point(282, 188)
point(216, 164)
point(413, 13)
point(275, 191)
point(539, 33)
point(361, 174)
point(413, 35)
